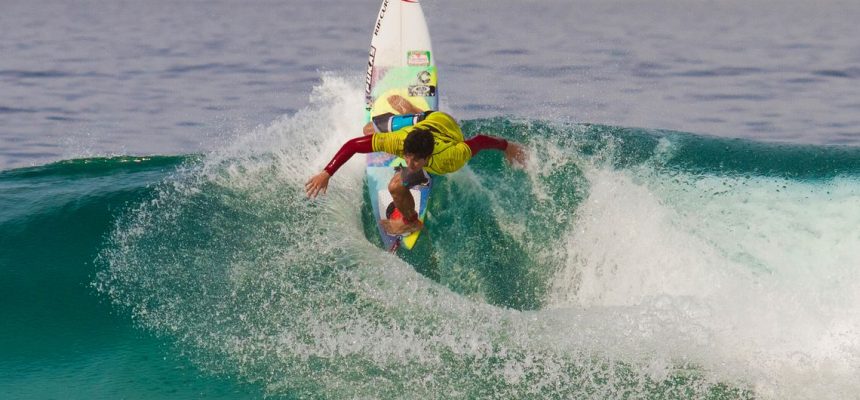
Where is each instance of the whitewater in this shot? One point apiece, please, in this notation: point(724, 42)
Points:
point(628, 263)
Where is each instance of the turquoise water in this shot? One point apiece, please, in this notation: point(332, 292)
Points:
point(629, 263)
point(59, 338)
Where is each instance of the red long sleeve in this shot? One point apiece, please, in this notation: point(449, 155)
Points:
point(483, 142)
point(362, 144)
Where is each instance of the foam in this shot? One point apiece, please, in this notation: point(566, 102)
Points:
point(758, 272)
point(662, 275)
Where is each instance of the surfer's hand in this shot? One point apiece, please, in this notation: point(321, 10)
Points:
point(318, 183)
point(368, 129)
point(516, 154)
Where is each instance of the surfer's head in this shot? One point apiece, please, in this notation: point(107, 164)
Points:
point(418, 146)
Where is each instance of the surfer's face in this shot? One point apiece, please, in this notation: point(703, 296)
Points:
point(414, 163)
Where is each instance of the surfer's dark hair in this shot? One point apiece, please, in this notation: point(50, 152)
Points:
point(419, 143)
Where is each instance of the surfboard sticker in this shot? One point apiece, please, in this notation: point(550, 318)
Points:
point(418, 58)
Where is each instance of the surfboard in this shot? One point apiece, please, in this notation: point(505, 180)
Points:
point(400, 62)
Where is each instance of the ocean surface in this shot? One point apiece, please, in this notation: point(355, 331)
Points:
point(687, 228)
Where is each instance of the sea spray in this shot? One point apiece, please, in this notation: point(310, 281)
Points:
point(613, 267)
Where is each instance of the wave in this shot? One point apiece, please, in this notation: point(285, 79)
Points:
point(621, 263)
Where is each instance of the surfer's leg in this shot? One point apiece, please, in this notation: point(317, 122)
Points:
point(406, 204)
point(402, 198)
point(403, 106)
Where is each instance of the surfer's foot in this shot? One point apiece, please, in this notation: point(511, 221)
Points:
point(398, 227)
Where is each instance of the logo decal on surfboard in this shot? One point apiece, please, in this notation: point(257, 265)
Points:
point(424, 77)
point(368, 79)
point(422, 91)
point(418, 58)
point(379, 18)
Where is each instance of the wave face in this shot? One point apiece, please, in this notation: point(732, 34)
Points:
point(622, 263)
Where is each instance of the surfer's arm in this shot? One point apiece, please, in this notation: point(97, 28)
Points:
point(484, 142)
point(514, 153)
point(363, 145)
point(319, 182)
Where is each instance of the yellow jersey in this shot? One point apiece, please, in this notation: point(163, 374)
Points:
point(450, 151)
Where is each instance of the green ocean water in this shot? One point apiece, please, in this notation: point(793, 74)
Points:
point(622, 263)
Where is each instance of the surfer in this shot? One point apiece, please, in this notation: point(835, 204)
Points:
point(429, 141)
